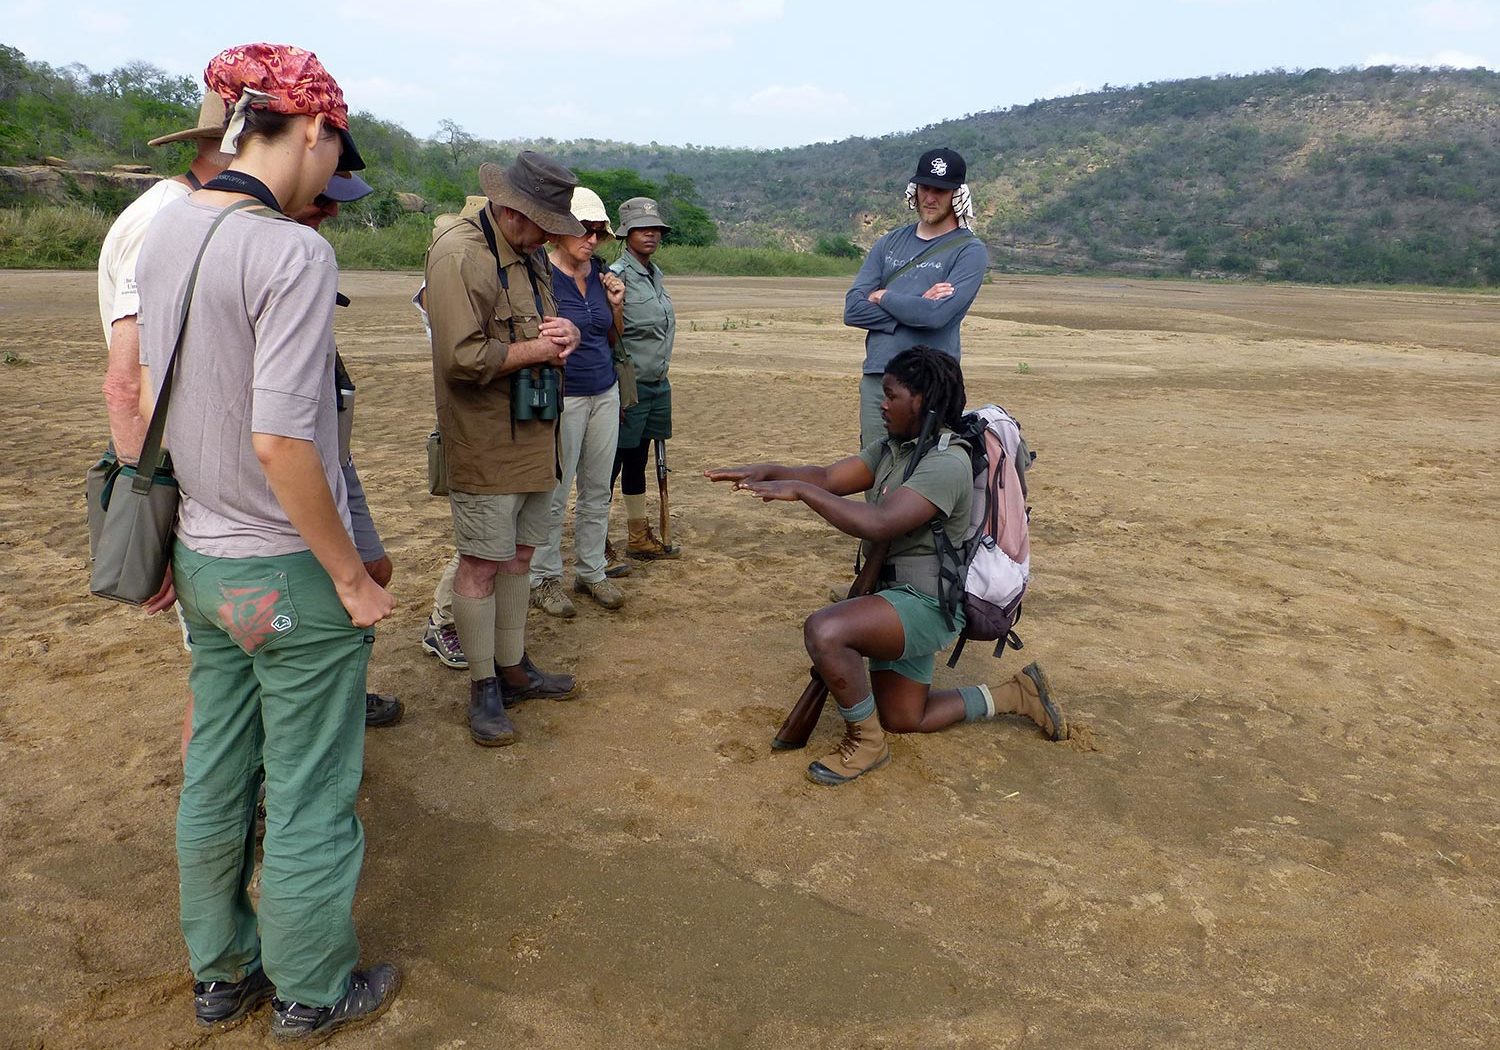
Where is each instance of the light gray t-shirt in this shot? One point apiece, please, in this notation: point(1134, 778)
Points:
point(257, 358)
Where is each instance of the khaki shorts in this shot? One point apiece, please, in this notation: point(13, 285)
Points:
point(492, 526)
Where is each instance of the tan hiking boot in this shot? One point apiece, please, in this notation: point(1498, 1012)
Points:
point(862, 749)
point(550, 597)
point(644, 544)
point(606, 592)
point(1037, 703)
point(615, 566)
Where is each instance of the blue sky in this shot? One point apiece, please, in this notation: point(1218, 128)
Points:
point(759, 73)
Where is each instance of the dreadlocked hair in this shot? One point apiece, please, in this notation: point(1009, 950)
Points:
point(935, 376)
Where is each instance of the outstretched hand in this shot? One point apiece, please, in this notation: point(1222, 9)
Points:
point(788, 491)
point(738, 475)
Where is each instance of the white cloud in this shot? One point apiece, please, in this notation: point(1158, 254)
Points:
point(800, 100)
point(1462, 15)
point(1449, 58)
point(105, 23)
point(371, 92)
point(647, 30)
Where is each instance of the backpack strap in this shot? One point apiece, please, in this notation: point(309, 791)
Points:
point(931, 253)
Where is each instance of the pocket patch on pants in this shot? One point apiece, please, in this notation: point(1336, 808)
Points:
point(253, 613)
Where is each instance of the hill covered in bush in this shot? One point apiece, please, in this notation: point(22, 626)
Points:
point(1373, 175)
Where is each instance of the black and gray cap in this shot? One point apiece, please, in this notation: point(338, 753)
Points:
point(942, 168)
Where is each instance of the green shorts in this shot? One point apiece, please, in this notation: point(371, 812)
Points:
point(649, 418)
point(926, 633)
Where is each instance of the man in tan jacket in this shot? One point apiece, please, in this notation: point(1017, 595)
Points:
point(497, 354)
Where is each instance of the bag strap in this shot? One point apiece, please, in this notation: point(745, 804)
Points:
point(931, 253)
point(151, 453)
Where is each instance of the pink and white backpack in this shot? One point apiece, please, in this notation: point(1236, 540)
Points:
point(986, 573)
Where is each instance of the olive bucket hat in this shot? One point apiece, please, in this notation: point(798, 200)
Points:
point(536, 186)
point(640, 213)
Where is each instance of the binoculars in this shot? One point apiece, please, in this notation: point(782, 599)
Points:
point(535, 393)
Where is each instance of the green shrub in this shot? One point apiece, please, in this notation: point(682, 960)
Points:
point(55, 237)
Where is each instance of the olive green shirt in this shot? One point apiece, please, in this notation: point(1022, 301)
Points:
point(945, 478)
point(474, 321)
point(650, 322)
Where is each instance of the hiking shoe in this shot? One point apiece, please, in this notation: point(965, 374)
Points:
point(489, 725)
point(606, 592)
point(382, 710)
point(222, 1004)
point(370, 992)
point(542, 685)
point(646, 545)
point(1059, 721)
point(550, 597)
point(862, 750)
point(442, 642)
point(614, 565)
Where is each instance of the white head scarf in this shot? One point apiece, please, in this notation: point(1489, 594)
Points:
point(963, 203)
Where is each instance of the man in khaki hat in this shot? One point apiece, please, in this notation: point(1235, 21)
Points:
point(118, 300)
point(497, 354)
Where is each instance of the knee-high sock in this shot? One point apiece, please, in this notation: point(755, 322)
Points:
point(512, 596)
point(475, 620)
point(635, 506)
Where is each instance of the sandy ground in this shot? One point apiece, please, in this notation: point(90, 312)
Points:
point(1267, 575)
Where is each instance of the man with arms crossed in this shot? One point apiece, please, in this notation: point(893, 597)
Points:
point(493, 318)
point(918, 282)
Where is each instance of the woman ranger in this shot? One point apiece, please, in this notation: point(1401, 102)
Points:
point(650, 326)
point(900, 627)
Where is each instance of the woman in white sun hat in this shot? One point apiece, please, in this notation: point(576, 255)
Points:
point(591, 297)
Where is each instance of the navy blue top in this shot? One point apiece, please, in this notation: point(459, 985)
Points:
point(591, 368)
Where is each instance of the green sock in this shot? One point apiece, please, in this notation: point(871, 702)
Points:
point(978, 703)
point(475, 620)
point(860, 711)
point(512, 598)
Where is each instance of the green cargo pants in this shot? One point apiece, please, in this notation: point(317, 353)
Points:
point(278, 683)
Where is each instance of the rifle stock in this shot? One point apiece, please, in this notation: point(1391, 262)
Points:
point(803, 717)
point(660, 448)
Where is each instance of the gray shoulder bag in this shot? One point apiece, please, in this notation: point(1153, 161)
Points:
point(137, 510)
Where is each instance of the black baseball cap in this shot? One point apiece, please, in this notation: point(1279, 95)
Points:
point(942, 168)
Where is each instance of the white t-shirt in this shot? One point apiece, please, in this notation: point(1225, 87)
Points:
point(117, 292)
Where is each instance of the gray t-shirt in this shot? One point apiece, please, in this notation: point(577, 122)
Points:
point(257, 358)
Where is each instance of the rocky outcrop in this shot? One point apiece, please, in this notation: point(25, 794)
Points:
point(50, 183)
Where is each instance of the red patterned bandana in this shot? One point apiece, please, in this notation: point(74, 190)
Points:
point(293, 81)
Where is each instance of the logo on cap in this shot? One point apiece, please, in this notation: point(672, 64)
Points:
point(939, 166)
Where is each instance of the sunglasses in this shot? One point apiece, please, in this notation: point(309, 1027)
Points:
point(595, 229)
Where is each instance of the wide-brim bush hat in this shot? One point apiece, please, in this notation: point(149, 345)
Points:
point(588, 207)
point(536, 186)
point(211, 119)
point(284, 79)
point(640, 213)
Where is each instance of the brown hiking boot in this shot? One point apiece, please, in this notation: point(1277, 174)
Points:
point(862, 749)
point(644, 544)
point(606, 592)
point(614, 565)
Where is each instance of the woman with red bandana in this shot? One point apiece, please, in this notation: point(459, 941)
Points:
point(280, 604)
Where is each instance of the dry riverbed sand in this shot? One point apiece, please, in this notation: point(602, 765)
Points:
point(1267, 577)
